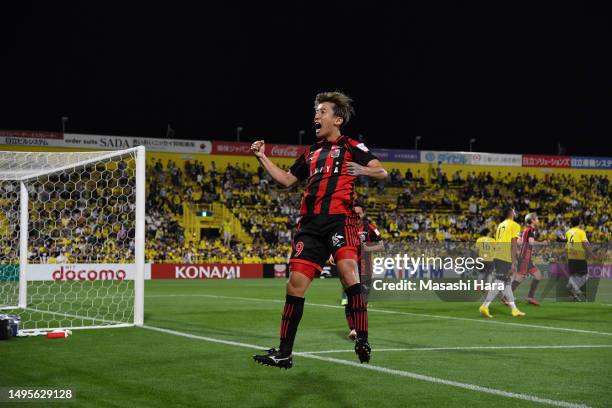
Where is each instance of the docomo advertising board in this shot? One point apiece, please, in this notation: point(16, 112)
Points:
point(120, 272)
point(84, 272)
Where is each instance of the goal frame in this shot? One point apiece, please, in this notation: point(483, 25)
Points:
point(139, 236)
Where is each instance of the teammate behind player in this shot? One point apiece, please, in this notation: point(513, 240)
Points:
point(506, 237)
point(525, 258)
point(486, 245)
point(371, 241)
point(328, 224)
point(578, 247)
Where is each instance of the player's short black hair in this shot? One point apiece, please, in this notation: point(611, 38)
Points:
point(343, 107)
point(358, 203)
point(575, 221)
point(506, 211)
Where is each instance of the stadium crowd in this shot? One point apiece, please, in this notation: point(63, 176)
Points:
point(83, 215)
point(462, 207)
point(95, 222)
point(262, 212)
point(410, 207)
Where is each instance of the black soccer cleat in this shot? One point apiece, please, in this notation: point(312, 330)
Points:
point(363, 350)
point(274, 358)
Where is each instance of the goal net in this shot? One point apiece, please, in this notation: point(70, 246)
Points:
point(72, 238)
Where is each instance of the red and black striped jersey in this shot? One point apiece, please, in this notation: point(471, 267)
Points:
point(525, 253)
point(368, 232)
point(330, 190)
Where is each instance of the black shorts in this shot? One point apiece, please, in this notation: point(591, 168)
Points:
point(502, 269)
point(577, 266)
point(318, 236)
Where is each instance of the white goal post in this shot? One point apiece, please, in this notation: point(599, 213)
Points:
point(72, 236)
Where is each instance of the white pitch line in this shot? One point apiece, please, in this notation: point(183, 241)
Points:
point(577, 346)
point(401, 373)
point(477, 320)
point(209, 339)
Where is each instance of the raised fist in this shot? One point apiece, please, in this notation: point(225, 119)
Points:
point(258, 148)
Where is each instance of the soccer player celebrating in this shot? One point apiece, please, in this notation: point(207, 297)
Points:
point(328, 224)
point(526, 265)
point(506, 238)
point(577, 248)
point(485, 245)
point(371, 241)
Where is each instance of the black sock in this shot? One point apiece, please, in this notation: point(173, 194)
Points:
point(515, 285)
point(348, 312)
point(292, 314)
point(359, 309)
point(533, 287)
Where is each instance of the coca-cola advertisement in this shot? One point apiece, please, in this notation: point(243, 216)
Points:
point(282, 150)
point(244, 149)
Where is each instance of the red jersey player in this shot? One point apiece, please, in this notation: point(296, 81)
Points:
point(526, 265)
point(371, 241)
point(328, 224)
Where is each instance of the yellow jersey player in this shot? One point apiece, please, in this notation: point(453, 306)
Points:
point(578, 248)
point(486, 246)
point(506, 237)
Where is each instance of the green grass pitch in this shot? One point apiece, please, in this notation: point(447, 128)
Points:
point(138, 367)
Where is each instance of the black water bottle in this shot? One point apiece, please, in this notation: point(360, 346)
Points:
point(5, 329)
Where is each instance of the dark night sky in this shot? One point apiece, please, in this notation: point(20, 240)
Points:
point(517, 79)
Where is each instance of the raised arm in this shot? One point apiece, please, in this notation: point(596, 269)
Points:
point(282, 177)
point(374, 169)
